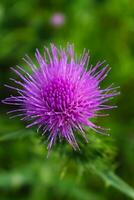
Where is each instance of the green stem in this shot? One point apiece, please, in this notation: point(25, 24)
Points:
point(112, 179)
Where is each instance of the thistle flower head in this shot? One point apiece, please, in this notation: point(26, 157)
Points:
point(57, 19)
point(61, 95)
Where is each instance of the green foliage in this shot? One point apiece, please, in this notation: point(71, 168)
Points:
point(103, 168)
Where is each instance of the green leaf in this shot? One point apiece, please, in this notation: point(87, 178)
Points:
point(111, 179)
point(16, 135)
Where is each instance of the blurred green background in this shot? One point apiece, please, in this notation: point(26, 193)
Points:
point(105, 167)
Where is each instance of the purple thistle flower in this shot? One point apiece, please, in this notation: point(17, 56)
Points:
point(61, 95)
point(57, 19)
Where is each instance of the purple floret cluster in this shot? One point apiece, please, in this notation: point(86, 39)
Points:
point(61, 94)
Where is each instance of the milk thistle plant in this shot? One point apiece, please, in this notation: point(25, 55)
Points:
point(62, 94)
